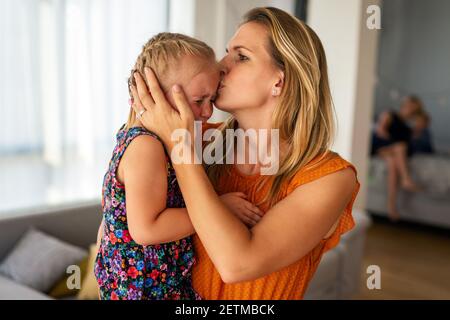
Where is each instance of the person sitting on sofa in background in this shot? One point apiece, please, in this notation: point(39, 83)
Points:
point(422, 141)
point(391, 140)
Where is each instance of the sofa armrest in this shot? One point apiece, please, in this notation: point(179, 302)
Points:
point(77, 225)
point(325, 283)
point(339, 272)
point(10, 290)
point(352, 260)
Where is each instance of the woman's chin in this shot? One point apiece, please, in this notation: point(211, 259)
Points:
point(223, 105)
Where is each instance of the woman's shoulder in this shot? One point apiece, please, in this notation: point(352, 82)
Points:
point(347, 184)
point(322, 165)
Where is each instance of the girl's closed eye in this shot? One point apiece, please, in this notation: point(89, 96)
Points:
point(199, 102)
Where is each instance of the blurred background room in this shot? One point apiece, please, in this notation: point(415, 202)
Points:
point(64, 66)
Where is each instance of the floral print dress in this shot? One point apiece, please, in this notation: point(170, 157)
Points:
point(126, 270)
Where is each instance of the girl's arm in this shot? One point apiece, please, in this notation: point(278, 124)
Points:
point(143, 172)
point(99, 233)
point(287, 232)
point(383, 123)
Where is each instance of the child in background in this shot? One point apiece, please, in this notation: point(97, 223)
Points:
point(145, 248)
point(422, 141)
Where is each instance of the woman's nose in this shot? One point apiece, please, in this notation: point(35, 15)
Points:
point(223, 66)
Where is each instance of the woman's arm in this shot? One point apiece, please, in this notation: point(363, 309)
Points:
point(286, 233)
point(144, 174)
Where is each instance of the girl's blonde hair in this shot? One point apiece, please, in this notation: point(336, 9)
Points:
point(161, 53)
point(305, 113)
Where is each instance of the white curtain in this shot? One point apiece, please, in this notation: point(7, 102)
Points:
point(64, 66)
point(63, 71)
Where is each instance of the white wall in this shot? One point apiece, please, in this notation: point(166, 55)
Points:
point(217, 20)
point(182, 16)
point(414, 58)
point(351, 50)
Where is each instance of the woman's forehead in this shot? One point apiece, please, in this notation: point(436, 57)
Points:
point(250, 35)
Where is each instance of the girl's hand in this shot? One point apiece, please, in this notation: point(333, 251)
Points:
point(155, 112)
point(246, 211)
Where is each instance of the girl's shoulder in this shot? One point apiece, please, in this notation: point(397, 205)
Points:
point(126, 136)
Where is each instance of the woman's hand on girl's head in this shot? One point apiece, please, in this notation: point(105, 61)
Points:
point(246, 211)
point(155, 112)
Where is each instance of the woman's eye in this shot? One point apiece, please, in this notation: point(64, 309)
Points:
point(242, 57)
point(199, 102)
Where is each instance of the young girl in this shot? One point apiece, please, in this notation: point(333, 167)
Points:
point(145, 249)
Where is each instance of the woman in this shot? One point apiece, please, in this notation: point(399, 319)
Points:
point(275, 76)
point(391, 141)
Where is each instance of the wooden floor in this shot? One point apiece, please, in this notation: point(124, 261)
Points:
point(414, 262)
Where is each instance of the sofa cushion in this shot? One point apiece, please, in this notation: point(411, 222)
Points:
point(89, 286)
point(61, 289)
point(39, 260)
point(431, 172)
point(10, 290)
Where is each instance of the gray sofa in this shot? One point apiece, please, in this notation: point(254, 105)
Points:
point(339, 273)
point(76, 225)
point(337, 276)
point(431, 206)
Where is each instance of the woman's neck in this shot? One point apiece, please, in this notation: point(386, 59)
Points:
point(267, 138)
point(260, 118)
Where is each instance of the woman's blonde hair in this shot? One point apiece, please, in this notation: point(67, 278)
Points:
point(161, 53)
point(305, 113)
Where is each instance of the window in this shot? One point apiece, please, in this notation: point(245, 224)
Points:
point(63, 93)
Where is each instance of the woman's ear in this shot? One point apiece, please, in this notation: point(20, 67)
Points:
point(278, 86)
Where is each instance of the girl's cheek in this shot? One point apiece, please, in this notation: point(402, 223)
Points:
point(195, 110)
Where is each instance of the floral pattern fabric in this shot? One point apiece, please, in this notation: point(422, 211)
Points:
point(126, 270)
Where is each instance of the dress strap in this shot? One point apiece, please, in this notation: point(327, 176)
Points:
point(124, 138)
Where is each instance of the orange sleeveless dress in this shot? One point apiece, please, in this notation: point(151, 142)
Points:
point(290, 282)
